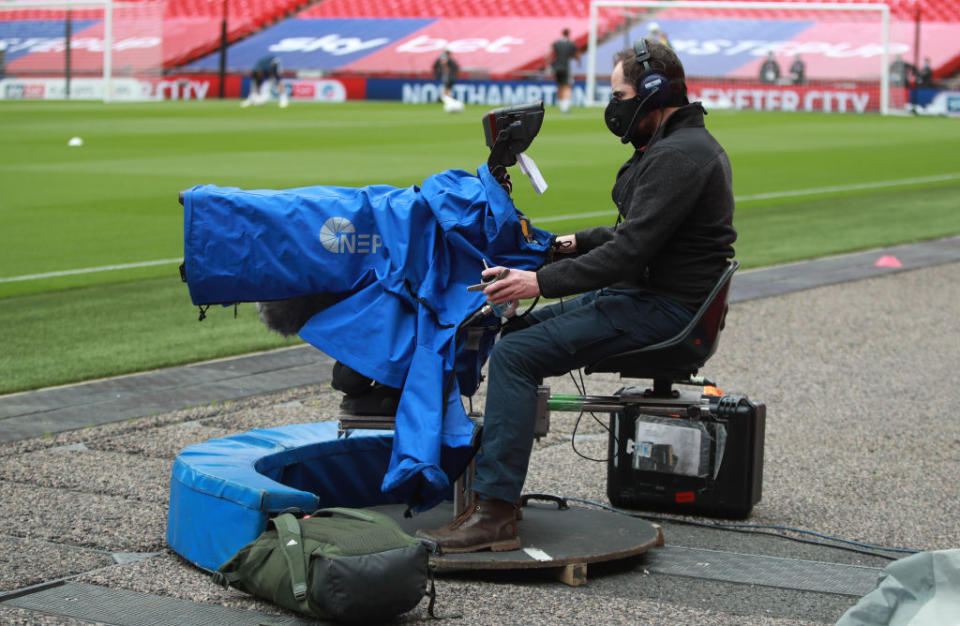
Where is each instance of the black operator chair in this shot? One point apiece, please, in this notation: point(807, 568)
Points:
point(732, 424)
point(676, 360)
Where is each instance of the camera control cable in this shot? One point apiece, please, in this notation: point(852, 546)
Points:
point(774, 530)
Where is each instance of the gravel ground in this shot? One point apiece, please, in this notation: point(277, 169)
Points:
point(861, 443)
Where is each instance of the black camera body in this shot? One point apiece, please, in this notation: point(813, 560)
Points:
point(509, 131)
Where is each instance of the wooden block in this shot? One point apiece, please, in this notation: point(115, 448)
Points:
point(659, 530)
point(574, 574)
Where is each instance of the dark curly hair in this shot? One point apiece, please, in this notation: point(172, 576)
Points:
point(663, 60)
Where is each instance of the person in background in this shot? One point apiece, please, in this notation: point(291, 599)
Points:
point(641, 280)
point(925, 74)
point(562, 52)
point(770, 70)
point(900, 72)
point(445, 70)
point(656, 34)
point(798, 71)
point(263, 78)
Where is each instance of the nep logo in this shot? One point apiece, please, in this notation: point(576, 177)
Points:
point(339, 236)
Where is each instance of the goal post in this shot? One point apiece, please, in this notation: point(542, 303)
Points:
point(817, 28)
point(80, 49)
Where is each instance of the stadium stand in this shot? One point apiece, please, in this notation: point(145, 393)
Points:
point(263, 12)
point(191, 28)
point(453, 16)
point(935, 14)
point(901, 10)
point(33, 39)
point(575, 10)
point(448, 8)
point(414, 28)
point(15, 15)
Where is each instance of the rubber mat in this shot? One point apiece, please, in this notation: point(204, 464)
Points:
point(130, 608)
point(769, 571)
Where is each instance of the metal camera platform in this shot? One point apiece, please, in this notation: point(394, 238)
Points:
point(554, 535)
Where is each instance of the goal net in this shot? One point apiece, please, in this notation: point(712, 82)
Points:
point(80, 49)
point(784, 56)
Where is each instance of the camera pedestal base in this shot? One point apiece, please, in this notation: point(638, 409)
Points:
point(565, 540)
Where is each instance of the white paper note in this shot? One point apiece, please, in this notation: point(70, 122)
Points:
point(528, 167)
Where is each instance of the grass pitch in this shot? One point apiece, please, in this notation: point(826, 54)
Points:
point(807, 185)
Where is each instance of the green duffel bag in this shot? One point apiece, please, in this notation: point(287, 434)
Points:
point(338, 563)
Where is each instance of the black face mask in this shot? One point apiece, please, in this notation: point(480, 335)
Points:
point(622, 116)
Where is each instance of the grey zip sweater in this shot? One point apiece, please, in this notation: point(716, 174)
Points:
point(675, 197)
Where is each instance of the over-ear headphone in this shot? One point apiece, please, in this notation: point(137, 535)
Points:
point(653, 88)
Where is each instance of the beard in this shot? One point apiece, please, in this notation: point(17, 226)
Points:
point(646, 129)
point(639, 139)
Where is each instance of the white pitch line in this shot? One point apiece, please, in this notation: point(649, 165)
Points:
point(573, 216)
point(876, 185)
point(545, 220)
point(88, 270)
point(781, 194)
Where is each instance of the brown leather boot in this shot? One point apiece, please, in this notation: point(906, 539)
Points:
point(486, 524)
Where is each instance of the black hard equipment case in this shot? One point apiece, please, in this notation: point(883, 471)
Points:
point(642, 472)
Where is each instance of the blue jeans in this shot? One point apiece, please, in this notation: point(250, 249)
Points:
point(563, 337)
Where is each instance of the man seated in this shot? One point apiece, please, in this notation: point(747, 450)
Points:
point(642, 279)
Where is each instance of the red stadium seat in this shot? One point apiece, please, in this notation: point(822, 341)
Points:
point(901, 10)
point(248, 16)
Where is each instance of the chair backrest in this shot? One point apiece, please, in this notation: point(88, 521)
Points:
point(682, 355)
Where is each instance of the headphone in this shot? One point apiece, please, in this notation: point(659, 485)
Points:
point(653, 88)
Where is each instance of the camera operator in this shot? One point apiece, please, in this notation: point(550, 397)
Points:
point(642, 280)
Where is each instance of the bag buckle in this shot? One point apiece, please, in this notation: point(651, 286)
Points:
point(300, 591)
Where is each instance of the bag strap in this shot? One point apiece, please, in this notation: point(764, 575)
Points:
point(337, 510)
point(225, 579)
point(432, 594)
point(288, 533)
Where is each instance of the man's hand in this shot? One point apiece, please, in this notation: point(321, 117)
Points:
point(517, 285)
point(565, 244)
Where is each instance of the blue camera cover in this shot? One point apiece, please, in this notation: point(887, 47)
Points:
point(405, 257)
